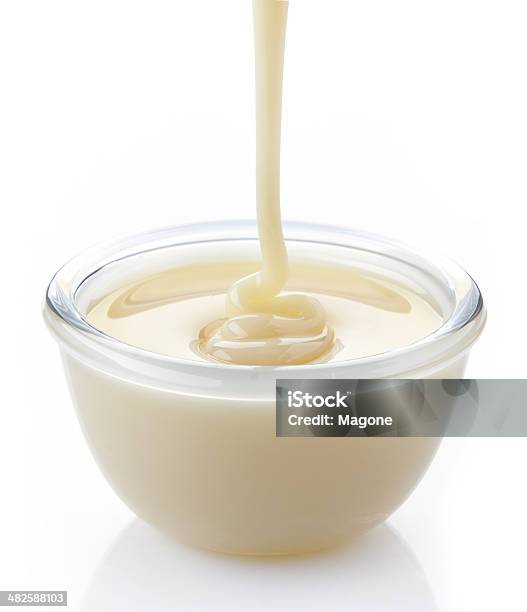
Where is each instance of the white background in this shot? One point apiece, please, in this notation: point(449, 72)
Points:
point(405, 118)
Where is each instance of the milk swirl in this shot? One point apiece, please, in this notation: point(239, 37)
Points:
point(283, 330)
point(262, 325)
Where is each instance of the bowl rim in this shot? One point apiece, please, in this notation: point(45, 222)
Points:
point(77, 336)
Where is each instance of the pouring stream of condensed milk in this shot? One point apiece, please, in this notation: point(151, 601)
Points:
point(264, 326)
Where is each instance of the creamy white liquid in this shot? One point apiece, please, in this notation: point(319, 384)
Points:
point(162, 312)
point(279, 314)
point(262, 325)
point(206, 465)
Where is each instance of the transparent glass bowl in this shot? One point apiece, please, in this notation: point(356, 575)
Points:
point(190, 445)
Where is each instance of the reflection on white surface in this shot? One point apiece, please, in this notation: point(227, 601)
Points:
point(143, 570)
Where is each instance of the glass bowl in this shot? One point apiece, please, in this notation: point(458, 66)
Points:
point(190, 445)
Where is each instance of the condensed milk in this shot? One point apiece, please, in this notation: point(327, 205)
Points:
point(172, 343)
